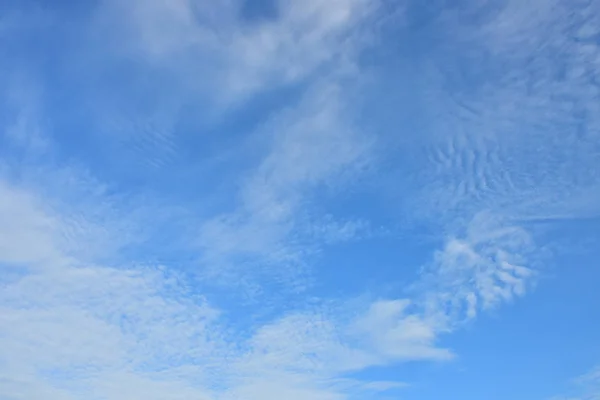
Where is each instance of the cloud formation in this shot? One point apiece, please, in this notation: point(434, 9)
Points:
point(72, 327)
point(585, 387)
point(242, 57)
point(176, 205)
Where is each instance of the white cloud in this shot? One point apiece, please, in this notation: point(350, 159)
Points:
point(28, 236)
point(313, 144)
point(130, 332)
point(512, 113)
point(312, 352)
point(80, 329)
point(242, 57)
point(397, 334)
point(486, 267)
point(585, 387)
point(68, 325)
point(73, 326)
point(135, 332)
point(592, 377)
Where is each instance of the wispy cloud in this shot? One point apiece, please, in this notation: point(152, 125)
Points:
point(86, 311)
point(315, 144)
point(23, 226)
point(488, 266)
point(397, 333)
point(585, 387)
point(237, 55)
point(73, 327)
point(510, 101)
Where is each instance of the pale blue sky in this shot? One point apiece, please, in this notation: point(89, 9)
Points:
point(278, 199)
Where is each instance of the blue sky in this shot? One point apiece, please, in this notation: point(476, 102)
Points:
point(277, 199)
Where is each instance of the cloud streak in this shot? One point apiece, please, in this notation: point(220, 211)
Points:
point(586, 387)
point(313, 145)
